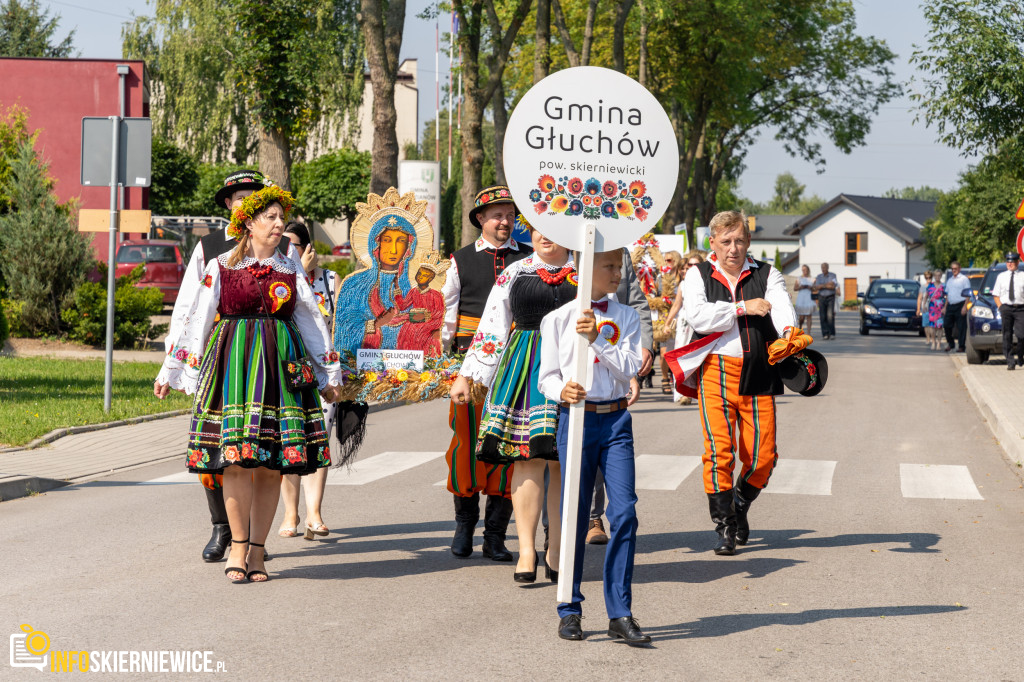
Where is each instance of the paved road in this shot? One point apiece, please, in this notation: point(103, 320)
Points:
point(890, 548)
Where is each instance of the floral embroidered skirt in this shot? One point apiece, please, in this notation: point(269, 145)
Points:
point(518, 422)
point(243, 412)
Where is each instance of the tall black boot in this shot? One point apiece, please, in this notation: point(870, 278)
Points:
point(467, 513)
point(496, 515)
point(218, 544)
point(742, 497)
point(724, 516)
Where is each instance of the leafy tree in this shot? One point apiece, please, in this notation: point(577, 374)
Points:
point(278, 74)
point(209, 179)
point(330, 185)
point(976, 222)
point(27, 30)
point(42, 256)
point(382, 23)
point(788, 193)
point(13, 133)
point(175, 178)
point(922, 193)
point(974, 89)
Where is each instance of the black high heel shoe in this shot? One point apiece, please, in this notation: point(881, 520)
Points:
point(549, 572)
point(528, 576)
point(250, 574)
point(238, 569)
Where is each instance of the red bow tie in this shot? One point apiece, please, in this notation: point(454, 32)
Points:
point(599, 305)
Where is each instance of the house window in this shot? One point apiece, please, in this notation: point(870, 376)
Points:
point(855, 241)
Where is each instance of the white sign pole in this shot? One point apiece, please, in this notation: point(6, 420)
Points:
point(571, 491)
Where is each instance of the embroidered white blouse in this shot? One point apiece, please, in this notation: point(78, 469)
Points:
point(492, 335)
point(181, 365)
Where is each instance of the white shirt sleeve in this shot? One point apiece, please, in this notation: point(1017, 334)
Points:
point(621, 359)
point(181, 366)
point(315, 337)
point(550, 379)
point(783, 314)
point(482, 358)
point(704, 317)
point(186, 295)
point(452, 292)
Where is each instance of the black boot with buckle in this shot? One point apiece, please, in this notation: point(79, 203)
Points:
point(497, 513)
point(221, 536)
point(467, 513)
point(743, 495)
point(724, 516)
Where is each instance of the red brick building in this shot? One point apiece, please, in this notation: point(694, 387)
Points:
point(57, 94)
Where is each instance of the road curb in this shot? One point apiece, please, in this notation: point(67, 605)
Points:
point(1010, 438)
point(26, 486)
point(85, 428)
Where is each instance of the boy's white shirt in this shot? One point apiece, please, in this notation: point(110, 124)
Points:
point(607, 379)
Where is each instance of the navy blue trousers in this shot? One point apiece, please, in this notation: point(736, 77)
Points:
point(608, 445)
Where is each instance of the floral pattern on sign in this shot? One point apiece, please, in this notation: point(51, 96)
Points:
point(592, 199)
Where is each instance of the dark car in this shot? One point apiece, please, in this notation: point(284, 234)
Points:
point(984, 325)
point(164, 266)
point(890, 304)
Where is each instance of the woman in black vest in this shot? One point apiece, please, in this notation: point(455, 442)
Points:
point(739, 306)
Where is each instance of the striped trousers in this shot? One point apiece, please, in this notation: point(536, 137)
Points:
point(466, 475)
point(734, 425)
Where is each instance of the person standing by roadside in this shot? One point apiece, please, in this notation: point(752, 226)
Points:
point(825, 286)
point(804, 303)
point(930, 305)
point(1009, 296)
point(958, 290)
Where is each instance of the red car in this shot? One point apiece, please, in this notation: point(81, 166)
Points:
point(164, 266)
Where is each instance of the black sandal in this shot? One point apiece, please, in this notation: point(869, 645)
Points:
point(238, 569)
point(250, 574)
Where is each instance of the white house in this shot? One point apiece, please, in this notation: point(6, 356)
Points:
point(864, 239)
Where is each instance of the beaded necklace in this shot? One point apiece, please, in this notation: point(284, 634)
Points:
point(553, 278)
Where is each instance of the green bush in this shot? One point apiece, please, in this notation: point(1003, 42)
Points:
point(321, 248)
point(4, 330)
point(851, 303)
point(12, 311)
point(342, 267)
point(134, 307)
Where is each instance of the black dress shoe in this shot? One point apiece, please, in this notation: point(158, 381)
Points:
point(218, 544)
point(569, 628)
point(627, 629)
point(495, 550)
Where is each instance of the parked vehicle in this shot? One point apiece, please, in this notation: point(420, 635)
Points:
point(890, 304)
point(343, 250)
point(984, 324)
point(164, 265)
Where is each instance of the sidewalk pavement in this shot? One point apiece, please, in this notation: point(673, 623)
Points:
point(999, 395)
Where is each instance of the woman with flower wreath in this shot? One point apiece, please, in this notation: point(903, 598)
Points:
point(519, 424)
point(251, 421)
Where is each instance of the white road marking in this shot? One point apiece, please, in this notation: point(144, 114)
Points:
point(938, 481)
point(802, 477)
point(663, 472)
point(173, 479)
point(379, 466)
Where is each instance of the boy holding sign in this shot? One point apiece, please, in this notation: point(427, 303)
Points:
point(613, 331)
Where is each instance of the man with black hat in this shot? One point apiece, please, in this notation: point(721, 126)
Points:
point(472, 274)
point(237, 187)
point(1008, 293)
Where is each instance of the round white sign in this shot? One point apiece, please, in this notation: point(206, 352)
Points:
point(589, 144)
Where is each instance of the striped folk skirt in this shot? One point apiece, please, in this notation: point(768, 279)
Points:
point(243, 412)
point(519, 422)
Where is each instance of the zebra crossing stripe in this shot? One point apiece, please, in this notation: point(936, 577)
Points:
point(802, 477)
point(179, 478)
point(938, 481)
point(663, 472)
point(380, 466)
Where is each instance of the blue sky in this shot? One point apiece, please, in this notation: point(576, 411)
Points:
point(898, 151)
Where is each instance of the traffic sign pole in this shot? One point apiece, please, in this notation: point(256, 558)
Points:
point(108, 374)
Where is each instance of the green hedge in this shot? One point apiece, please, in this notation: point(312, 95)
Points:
point(134, 307)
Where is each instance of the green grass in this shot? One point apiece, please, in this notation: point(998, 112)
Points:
point(38, 395)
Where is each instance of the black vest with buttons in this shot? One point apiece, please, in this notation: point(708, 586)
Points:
point(757, 377)
point(477, 272)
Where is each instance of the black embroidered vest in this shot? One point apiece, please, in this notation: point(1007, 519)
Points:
point(757, 377)
point(477, 272)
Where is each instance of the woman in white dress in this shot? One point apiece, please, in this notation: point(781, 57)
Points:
point(322, 282)
point(683, 331)
point(804, 303)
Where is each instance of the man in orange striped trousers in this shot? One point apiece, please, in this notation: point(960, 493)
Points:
point(737, 306)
